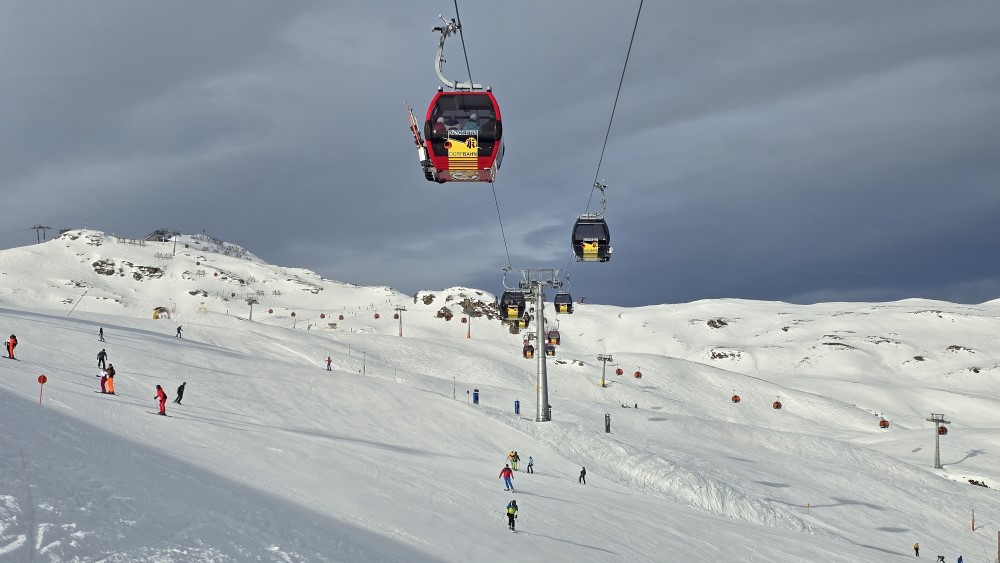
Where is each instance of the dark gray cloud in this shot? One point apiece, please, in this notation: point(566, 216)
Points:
point(765, 150)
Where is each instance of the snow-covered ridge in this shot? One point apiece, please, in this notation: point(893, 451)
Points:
point(384, 459)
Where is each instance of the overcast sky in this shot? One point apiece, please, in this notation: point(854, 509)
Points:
point(796, 151)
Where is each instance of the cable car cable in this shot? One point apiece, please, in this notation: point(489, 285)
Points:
point(615, 105)
point(611, 119)
point(461, 36)
point(468, 68)
point(502, 233)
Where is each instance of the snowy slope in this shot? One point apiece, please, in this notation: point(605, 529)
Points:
point(273, 458)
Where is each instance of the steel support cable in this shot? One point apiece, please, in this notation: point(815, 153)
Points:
point(621, 81)
point(607, 134)
point(461, 36)
point(15, 232)
point(458, 18)
point(502, 233)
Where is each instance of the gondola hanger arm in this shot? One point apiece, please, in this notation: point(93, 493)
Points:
point(450, 26)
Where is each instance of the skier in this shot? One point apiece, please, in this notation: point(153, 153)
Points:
point(100, 334)
point(162, 397)
point(511, 514)
point(940, 559)
point(583, 476)
point(180, 393)
point(510, 457)
point(11, 344)
point(959, 560)
point(329, 361)
point(102, 356)
point(104, 380)
point(516, 459)
point(179, 332)
point(506, 474)
point(916, 549)
point(111, 379)
point(531, 465)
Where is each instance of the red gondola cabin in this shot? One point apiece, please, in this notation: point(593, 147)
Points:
point(553, 337)
point(464, 137)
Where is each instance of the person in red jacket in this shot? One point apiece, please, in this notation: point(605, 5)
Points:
point(162, 397)
point(506, 474)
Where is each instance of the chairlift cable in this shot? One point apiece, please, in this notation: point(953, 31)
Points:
point(621, 81)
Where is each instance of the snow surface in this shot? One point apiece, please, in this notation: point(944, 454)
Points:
point(273, 458)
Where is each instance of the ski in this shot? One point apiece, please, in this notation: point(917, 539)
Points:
point(157, 414)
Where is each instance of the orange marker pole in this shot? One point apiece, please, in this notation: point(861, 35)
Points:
point(41, 385)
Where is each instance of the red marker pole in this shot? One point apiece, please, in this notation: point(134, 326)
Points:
point(41, 385)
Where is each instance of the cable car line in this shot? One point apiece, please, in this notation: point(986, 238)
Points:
point(591, 239)
point(621, 81)
point(502, 233)
point(496, 202)
point(468, 68)
point(461, 36)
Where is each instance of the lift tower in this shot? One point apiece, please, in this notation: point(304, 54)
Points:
point(534, 282)
point(938, 420)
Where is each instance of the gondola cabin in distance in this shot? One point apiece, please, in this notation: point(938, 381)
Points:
point(464, 136)
point(563, 302)
point(591, 239)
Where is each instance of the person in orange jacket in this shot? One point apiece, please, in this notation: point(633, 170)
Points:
point(11, 344)
point(162, 397)
point(111, 379)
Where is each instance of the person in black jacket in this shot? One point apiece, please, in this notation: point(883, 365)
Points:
point(180, 393)
point(102, 358)
point(583, 476)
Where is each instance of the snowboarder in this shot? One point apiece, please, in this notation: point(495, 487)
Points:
point(102, 356)
point(329, 361)
point(531, 465)
point(583, 476)
point(506, 474)
point(11, 344)
point(162, 397)
point(180, 393)
point(179, 332)
point(511, 514)
point(916, 549)
point(516, 459)
point(100, 334)
point(940, 559)
point(104, 380)
point(111, 379)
